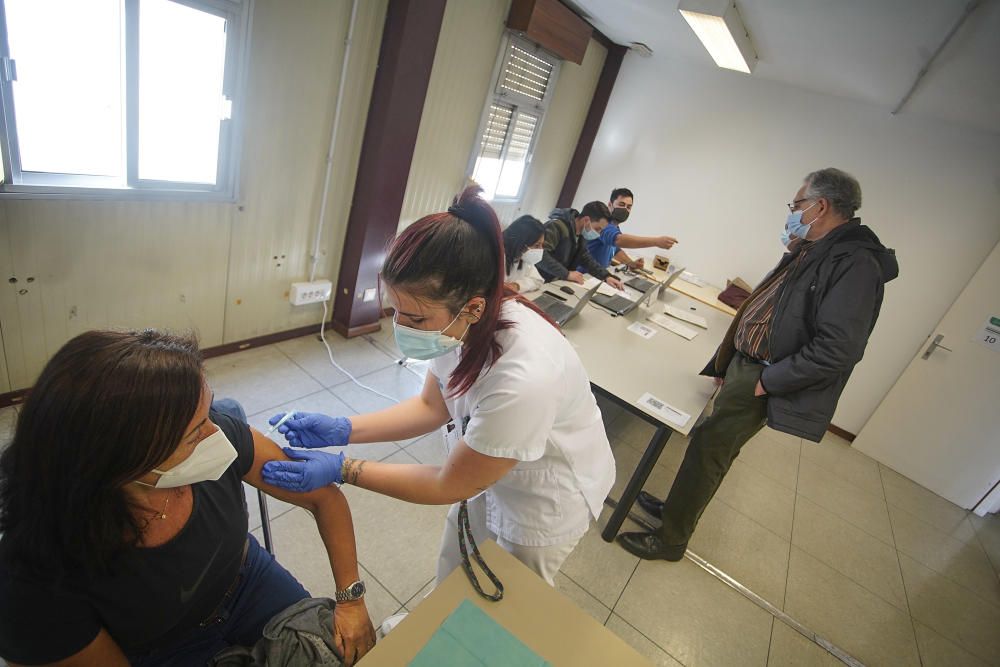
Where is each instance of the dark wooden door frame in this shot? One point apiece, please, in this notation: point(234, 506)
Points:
point(406, 58)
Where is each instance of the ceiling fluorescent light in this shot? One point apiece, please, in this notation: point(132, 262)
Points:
point(720, 28)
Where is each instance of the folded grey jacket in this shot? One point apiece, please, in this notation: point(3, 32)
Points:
point(300, 635)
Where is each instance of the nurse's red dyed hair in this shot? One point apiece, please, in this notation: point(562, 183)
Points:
point(450, 258)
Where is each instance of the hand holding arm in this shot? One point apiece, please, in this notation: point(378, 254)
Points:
point(307, 471)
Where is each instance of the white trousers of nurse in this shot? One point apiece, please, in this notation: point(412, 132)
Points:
point(544, 561)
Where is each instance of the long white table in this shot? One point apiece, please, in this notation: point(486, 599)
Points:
point(623, 367)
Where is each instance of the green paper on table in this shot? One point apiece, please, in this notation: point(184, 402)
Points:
point(469, 637)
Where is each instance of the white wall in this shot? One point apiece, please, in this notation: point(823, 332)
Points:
point(221, 269)
point(714, 155)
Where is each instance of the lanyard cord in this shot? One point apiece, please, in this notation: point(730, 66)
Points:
point(464, 529)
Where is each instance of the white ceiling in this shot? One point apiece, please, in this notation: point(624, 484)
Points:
point(869, 50)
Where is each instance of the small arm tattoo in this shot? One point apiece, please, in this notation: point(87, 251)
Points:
point(352, 470)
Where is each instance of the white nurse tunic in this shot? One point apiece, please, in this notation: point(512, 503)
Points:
point(535, 405)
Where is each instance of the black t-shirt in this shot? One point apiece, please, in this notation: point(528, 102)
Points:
point(154, 595)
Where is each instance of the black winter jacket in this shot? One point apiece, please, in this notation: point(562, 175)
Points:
point(565, 249)
point(824, 314)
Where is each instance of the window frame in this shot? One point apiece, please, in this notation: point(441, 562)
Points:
point(509, 98)
point(238, 15)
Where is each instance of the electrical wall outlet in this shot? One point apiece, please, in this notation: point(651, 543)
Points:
point(314, 292)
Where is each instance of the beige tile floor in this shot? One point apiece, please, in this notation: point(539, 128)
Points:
point(880, 566)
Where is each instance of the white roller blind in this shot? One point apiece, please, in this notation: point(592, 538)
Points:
point(525, 73)
point(495, 133)
point(513, 118)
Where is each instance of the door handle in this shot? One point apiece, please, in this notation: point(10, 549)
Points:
point(935, 344)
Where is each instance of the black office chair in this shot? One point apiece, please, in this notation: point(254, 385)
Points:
point(265, 521)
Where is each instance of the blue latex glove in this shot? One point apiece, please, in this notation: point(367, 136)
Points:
point(313, 429)
point(310, 470)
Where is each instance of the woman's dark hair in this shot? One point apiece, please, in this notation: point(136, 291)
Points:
point(523, 232)
point(107, 408)
point(451, 258)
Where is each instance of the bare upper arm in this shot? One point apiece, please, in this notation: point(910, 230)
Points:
point(264, 450)
point(102, 651)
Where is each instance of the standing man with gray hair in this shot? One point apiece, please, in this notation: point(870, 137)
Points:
point(788, 353)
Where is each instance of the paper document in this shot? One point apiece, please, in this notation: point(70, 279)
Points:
point(609, 290)
point(693, 279)
point(589, 282)
point(640, 329)
point(672, 326)
point(663, 409)
point(687, 316)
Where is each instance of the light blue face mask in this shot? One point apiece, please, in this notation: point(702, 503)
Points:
point(589, 234)
point(794, 226)
point(423, 345)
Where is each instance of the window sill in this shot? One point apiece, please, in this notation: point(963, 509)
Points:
point(8, 191)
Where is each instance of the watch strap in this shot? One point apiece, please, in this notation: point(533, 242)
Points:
point(347, 594)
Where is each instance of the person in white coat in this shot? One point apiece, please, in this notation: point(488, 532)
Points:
point(528, 456)
point(523, 248)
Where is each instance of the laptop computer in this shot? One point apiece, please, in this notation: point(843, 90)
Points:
point(617, 304)
point(621, 305)
point(643, 285)
point(672, 277)
point(560, 311)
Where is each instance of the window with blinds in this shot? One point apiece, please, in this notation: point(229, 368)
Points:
point(512, 119)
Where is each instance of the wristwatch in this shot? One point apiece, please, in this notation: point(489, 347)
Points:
point(355, 591)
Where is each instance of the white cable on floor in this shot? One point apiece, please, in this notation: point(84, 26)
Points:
point(329, 352)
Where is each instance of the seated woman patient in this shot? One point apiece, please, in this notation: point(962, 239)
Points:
point(124, 519)
point(522, 246)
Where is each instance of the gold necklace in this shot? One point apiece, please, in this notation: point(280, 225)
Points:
point(162, 514)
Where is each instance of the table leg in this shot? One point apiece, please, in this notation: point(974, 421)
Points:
point(636, 482)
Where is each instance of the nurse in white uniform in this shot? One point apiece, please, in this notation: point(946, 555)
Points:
point(527, 448)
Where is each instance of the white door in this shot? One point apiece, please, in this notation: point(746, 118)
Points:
point(939, 425)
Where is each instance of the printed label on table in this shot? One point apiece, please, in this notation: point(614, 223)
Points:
point(640, 329)
point(693, 279)
point(663, 409)
point(670, 325)
point(697, 320)
point(989, 335)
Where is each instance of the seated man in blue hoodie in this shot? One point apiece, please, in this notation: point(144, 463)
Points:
point(565, 248)
point(612, 241)
point(788, 353)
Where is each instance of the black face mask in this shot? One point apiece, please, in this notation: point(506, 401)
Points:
point(619, 214)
